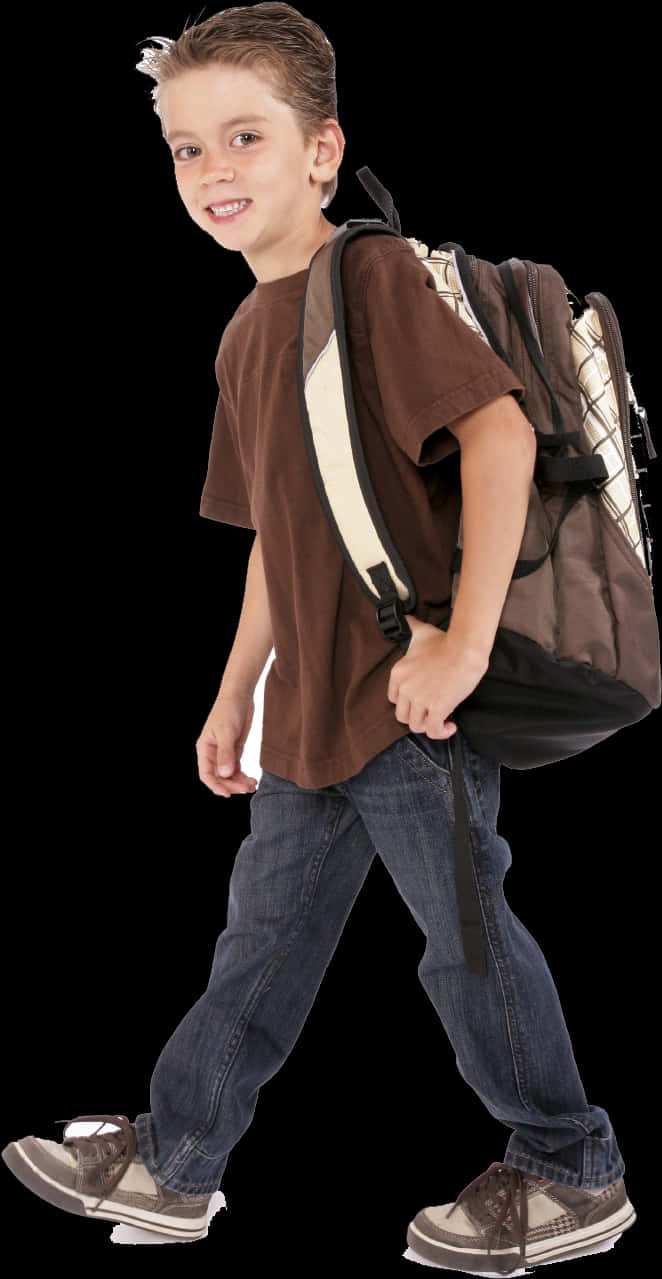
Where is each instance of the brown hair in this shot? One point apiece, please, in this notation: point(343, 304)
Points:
point(275, 40)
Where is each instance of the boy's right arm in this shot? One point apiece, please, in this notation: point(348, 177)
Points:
point(221, 742)
point(253, 641)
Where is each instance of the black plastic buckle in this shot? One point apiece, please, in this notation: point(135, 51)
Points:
point(393, 620)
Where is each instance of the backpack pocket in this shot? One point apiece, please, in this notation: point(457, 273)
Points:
point(604, 383)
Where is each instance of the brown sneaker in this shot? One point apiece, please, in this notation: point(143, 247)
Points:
point(103, 1176)
point(507, 1219)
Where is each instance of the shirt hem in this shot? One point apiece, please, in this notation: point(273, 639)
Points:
point(335, 768)
point(212, 508)
point(472, 395)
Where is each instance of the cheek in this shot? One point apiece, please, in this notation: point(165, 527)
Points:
point(189, 197)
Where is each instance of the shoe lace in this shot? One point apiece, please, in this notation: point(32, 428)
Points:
point(488, 1183)
point(113, 1144)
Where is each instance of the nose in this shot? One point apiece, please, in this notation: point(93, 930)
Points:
point(214, 169)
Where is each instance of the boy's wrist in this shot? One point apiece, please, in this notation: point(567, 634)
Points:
point(472, 650)
point(240, 693)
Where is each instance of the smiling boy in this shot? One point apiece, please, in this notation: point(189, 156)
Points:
point(282, 226)
point(355, 752)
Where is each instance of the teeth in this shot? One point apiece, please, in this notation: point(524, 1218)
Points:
point(220, 209)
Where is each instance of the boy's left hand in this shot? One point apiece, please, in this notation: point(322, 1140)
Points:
point(431, 679)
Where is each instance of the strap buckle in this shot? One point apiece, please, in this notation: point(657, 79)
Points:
point(393, 620)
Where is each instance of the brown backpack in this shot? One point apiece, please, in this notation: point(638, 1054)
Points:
point(576, 655)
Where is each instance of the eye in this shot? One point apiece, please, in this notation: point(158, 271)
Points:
point(238, 135)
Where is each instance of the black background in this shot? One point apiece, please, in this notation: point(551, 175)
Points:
point(123, 604)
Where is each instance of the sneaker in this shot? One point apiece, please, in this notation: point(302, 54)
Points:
point(102, 1175)
point(507, 1219)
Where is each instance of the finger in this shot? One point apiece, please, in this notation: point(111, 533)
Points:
point(227, 789)
point(249, 783)
point(239, 781)
point(420, 724)
point(447, 729)
point(238, 784)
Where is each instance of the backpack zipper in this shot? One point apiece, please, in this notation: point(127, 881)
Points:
point(621, 377)
point(532, 286)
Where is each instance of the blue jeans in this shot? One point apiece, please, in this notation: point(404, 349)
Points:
point(294, 881)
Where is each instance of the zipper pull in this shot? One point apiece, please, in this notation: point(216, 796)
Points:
point(575, 312)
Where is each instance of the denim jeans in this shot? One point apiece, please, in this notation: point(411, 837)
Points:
point(294, 881)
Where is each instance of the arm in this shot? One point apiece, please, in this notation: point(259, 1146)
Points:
point(498, 453)
point(253, 641)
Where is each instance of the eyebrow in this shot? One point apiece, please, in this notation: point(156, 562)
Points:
point(239, 119)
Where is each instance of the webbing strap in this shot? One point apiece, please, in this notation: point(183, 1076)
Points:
point(524, 567)
point(467, 897)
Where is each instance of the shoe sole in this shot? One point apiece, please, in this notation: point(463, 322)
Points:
point(85, 1205)
point(503, 1262)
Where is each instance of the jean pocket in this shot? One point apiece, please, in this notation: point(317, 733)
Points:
point(433, 758)
point(436, 752)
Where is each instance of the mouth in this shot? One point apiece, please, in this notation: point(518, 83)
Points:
point(231, 213)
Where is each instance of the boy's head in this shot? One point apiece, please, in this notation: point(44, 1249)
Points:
point(213, 84)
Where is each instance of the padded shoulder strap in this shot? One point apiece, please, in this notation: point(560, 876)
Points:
point(333, 440)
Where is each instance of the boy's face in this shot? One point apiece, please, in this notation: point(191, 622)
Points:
point(260, 159)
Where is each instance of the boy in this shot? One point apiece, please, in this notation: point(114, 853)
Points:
point(355, 753)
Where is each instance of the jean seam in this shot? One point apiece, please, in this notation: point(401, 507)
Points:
point(492, 935)
point(481, 799)
point(505, 982)
point(267, 975)
point(589, 1151)
point(447, 780)
point(167, 1183)
point(472, 756)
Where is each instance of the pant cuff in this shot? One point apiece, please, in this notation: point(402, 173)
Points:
point(145, 1147)
point(594, 1174)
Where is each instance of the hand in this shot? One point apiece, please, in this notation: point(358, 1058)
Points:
point(433, 677)
point(222, 741)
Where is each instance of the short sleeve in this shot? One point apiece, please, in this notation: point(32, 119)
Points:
point(224, 495)
point(431, 368)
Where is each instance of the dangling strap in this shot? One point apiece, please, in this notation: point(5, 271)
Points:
point(467, 897)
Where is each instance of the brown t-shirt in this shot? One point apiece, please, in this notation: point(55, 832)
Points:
point(416, 367)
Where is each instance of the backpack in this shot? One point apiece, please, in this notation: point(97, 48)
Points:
point(577, 653)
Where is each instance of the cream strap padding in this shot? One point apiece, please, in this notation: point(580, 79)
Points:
point(330, 434)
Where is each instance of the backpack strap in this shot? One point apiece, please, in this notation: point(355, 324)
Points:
point(468, 903)
point(382, 198)
point(333, 438)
